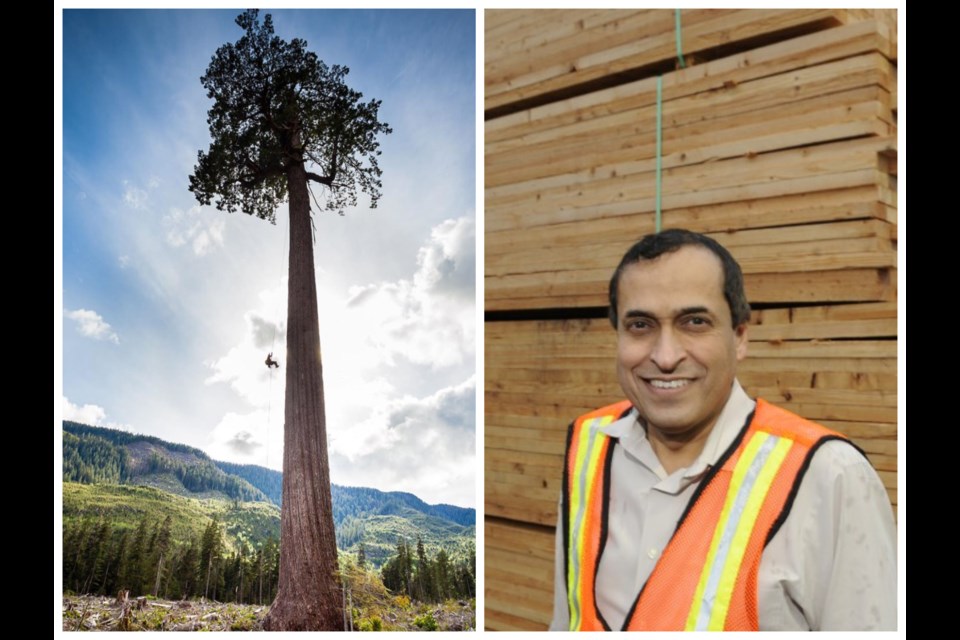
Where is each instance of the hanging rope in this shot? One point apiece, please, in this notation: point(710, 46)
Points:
point(683, 63)
point(273, 342)
point(266, 461)
point(658, 217)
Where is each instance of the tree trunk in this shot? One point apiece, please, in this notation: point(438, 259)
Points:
point(308, 598)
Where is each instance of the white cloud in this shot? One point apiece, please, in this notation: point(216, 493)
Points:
point(88, 414)
point(430, 318)
point(202, 229)
point(134, 196)
point(92, 325)
point(252, 438)
point(123, 261)
point(421, 445)
point(400, 422)
point(447, 262)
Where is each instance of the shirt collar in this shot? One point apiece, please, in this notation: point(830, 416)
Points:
point(633, 437)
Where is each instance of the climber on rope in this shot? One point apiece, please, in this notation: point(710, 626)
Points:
point(271, 362)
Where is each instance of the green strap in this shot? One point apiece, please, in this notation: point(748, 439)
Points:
point(683, 64)
point(659, 220)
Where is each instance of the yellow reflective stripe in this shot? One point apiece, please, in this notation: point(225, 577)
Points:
point(753, 446)
point(752, 477)
point(576, 517)
point(745, 526)
point(586, 460)
point(578, 509)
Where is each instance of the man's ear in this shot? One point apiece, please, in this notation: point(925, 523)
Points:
point(740, 334)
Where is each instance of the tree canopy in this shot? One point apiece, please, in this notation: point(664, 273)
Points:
point(276, 104)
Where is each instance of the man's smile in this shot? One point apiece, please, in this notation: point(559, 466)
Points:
point(660, 383)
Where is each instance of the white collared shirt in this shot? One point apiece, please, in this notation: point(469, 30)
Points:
point(831, 566)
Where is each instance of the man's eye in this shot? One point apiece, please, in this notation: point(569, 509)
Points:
point(698, 321)
point(637, 325)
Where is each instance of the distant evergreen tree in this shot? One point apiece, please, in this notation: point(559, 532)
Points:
point(113, 573)
point(238, 574)
point(465, 574)
point(133, 565)
point(96, 556)
point(442, 575)
point(268, 571)
point(424, 581)
point(211, 547)
point(188, 568)
point(397, 573)
point(72, 546)
point(362, 556)
point(159, 551)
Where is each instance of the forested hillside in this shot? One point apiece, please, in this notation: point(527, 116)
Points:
point(353, 501)
point(163, 518)
point(96, 454)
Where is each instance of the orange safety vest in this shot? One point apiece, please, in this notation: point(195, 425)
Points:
point(706, 578)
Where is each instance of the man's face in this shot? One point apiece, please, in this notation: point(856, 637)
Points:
point(677, 350)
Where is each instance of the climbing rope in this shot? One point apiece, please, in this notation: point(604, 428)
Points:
point(683, 63)
point(273, 343)
point(658, 218)
point(659, 197)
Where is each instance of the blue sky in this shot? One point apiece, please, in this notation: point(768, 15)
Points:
point(169, 308)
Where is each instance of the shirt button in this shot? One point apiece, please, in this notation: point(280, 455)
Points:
point(652, 553)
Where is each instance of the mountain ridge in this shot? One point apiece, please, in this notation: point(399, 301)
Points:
point(363, 516)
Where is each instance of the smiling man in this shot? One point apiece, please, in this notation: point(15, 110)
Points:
point(691, 506)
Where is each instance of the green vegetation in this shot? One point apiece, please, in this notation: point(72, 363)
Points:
point(95, 454)
point(124, 506)
point(268, 481)
point(379, 534)
point(374, 608)
point(430, 579)
point(355, 502)
point(426, 622)
point(100, 558)
point(204, 476)
point(362, 501)
point(118, 437)
point(91, 458)
point(140, 527)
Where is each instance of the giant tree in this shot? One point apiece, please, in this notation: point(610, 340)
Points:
point(282, 119)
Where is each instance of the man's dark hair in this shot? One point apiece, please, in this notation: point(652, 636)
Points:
point(656, 244)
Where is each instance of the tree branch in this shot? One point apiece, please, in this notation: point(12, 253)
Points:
point(321, 179)
point(257, 175)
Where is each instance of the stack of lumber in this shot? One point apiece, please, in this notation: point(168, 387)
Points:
point(778, 140)
point(532, 56)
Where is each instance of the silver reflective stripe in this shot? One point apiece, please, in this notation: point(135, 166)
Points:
point(730, 528)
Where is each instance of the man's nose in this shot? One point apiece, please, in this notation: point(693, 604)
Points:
point(668, 350)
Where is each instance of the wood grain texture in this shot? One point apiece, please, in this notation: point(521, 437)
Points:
point(779, 141)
